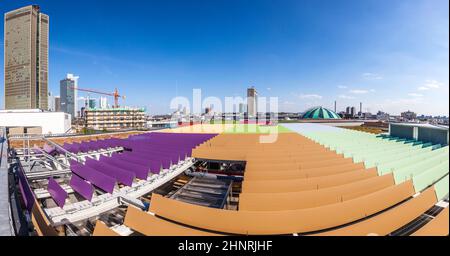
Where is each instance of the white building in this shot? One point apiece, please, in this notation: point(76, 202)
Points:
point(242, 108)
point(51, 102)
point(103, 103)
point(35, 121)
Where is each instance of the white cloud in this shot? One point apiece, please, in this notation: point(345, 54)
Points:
point(342, 87)
point(430, 84)
point(372, 76)
point(415, 94)
point(423, 88)
point(343, 96)
point(310, 96)
point(357, 91)
point(268, 88)
point(433, 84)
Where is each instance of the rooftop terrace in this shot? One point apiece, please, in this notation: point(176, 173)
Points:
point(373, 184)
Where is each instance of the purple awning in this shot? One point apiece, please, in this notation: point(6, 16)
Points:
point(57, 192)
point(82, 187)
point(140, 170)
point(122, 176)
point(98, 179)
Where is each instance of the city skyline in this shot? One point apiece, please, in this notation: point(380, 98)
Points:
point(392, 57)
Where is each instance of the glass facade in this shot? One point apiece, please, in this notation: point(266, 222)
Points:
point(67, 96)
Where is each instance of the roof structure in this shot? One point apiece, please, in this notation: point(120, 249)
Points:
point(338, 175)
point(320, 113)
point(373, 184)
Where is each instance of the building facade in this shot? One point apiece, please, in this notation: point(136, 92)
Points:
point(409, 115)
point(103, 102)
point(350, 111)
point(353, 111)
point(51, 102)
point(26, 58)
point(35, 121)
point(91, 103)
point(114, 119)
point(67, 91)
point(57, 104)
point(252, 101)
point(242, 108)
point(75, 92)
point(426, 133)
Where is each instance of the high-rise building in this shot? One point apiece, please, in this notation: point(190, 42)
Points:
point(91, 103)
point(252, 101)
point(51, 102)
point(103, 102)
point(68, 96)
point(242, 108)
point(26, 58)
point(185, 111)
point(57, 104)
point(75, 93)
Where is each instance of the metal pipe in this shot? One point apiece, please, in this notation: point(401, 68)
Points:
point(190, 172)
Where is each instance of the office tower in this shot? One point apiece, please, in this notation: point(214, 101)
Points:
point(75, 93)
point(335, 105)
point(57, 104)
point(103, 103)
point(91, 103)
point(51, 102)
point(67, 92)
point(26, 58)
point(252, 101)
point(242, 108)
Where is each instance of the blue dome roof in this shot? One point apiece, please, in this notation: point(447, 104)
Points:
point(320, 113)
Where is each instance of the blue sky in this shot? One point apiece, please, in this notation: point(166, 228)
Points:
point(392, 55)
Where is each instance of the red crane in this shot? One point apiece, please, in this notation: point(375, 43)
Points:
point(114, 94)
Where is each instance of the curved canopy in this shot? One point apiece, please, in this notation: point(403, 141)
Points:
point(320, 113)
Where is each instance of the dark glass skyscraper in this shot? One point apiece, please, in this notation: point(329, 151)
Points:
point(67, 92)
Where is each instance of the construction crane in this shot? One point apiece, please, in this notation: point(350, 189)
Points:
point(115, 94)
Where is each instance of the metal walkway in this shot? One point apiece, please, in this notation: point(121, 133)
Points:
point(206, 192)
point(6, 228)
